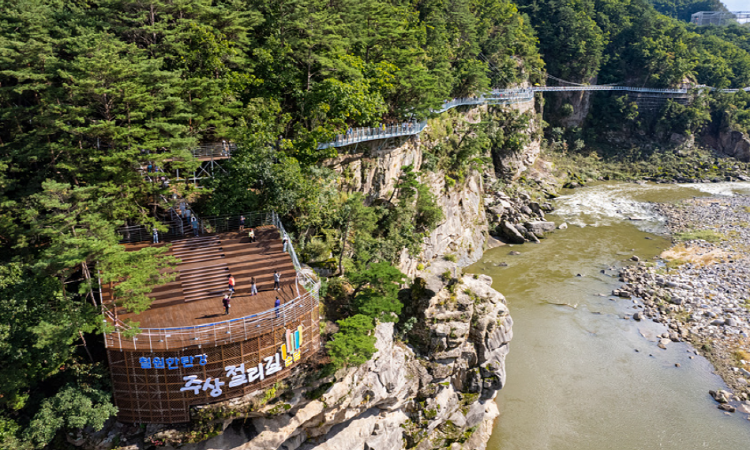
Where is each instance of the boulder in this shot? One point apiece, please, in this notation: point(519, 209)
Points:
point(509, 232)
point(539, 227)
point(497, 210)
point(727, 407)
point(537, 209)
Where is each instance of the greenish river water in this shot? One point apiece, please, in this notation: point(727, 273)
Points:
point(575, 379)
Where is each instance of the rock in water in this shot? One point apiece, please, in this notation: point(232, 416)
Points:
point(727, 407)
point(539, 227)
point(509, 232)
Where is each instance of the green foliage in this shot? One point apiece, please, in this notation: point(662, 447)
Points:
point(705, 235)
point(353, 344)
point(376, 291)
point(72, 407)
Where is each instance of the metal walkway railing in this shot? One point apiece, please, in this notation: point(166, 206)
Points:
point(356, 135)
point(494, 97)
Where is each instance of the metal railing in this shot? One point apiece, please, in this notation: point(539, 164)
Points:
point(214, 150)
point(216, 333)
point(356, 135)
point(364, 134)
point(303, 276)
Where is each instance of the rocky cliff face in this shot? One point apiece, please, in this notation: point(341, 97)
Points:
point(373, 168)
point(734, 144)
point(434, 388)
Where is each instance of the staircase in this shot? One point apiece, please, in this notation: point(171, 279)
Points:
point(198, 249)
point(205, 262)
point(204, 282)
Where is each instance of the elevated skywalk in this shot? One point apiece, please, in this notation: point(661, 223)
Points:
point(496, 97)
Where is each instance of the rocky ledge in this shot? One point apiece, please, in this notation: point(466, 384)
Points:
point(699, 288)
point(432, 388)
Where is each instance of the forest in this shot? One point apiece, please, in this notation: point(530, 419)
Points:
point(87, 88)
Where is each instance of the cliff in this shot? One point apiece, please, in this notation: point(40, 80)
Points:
point(432, 396)
point(433, 387)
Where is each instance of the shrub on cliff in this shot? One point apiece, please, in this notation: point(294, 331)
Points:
point(354, 344)
point(376, 291)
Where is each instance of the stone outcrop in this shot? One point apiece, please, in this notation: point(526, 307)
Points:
point(373, 168)
point(734, 144)
point(463, 232)
point(510, 164)
point(436, 390)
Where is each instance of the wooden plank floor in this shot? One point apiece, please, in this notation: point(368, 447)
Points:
point(195, 296)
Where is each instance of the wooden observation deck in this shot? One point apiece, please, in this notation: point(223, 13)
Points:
point(185, 337)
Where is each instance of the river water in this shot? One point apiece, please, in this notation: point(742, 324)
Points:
point(579, 375)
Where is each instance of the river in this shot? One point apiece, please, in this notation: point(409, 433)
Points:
point(579, 375)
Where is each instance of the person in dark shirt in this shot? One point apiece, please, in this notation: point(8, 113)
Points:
point(277, 306)
point(225, 302)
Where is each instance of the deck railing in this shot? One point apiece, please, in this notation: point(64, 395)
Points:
point(216, 333)
point(364, 134)
point(214, 150)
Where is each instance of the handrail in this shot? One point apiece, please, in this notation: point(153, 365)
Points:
point(363, 134)
point(232, 330)
point(494, 97)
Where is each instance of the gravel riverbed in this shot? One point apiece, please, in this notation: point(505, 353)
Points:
point(700, 288)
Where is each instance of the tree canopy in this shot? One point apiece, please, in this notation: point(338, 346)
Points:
point(94, 93)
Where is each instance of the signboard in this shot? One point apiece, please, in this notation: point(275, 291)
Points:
point(172, 363)
point(289, 353)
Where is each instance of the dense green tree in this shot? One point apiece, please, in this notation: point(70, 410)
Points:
point(376, 291)
point(354, 344)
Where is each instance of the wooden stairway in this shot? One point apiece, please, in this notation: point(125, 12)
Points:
point(206, 261)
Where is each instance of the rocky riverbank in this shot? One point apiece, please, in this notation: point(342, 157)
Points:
point(700, 288)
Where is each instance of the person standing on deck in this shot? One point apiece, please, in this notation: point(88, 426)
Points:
point(286, 242)
point(253, 287)
point(156, 236)
point(194, 222)
point(242, 223)
point(277, 306)
point(225, 302)
point(231, 283)
point(276, 280)
point(251, 235)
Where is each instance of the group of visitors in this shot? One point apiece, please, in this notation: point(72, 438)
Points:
point(232, 283)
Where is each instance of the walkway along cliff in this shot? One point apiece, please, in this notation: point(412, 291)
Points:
point(432, 388)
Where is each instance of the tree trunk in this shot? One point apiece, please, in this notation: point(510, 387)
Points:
point(344, 239)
